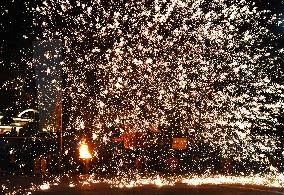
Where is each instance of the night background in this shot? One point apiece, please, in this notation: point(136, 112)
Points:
point(149, 90)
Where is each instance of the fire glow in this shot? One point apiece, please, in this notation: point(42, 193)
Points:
point(84, 152)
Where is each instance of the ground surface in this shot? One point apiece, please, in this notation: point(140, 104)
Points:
point(102, 189)
point(23, 184)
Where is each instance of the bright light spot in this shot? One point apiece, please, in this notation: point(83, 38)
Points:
point(45, 186)
point(84, 152)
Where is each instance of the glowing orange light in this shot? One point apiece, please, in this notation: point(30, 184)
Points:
point(84, 152)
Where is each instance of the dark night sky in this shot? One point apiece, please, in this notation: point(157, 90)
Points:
point(16, 21)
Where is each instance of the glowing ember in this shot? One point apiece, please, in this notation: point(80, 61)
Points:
point(84, 152)
point(45, 186)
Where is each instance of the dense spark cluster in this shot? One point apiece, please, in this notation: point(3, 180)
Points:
point(207, 69)
point(211, 68)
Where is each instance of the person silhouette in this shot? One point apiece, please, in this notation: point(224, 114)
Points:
point(7, 119)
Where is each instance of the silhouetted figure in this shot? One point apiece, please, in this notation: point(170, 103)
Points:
point(30, 129)
point(13, 132)
point(7, 119)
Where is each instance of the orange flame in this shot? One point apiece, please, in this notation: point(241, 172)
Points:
point(84, 152)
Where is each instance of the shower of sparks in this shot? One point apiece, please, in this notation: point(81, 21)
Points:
point(208, 66)
point(207, 70)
